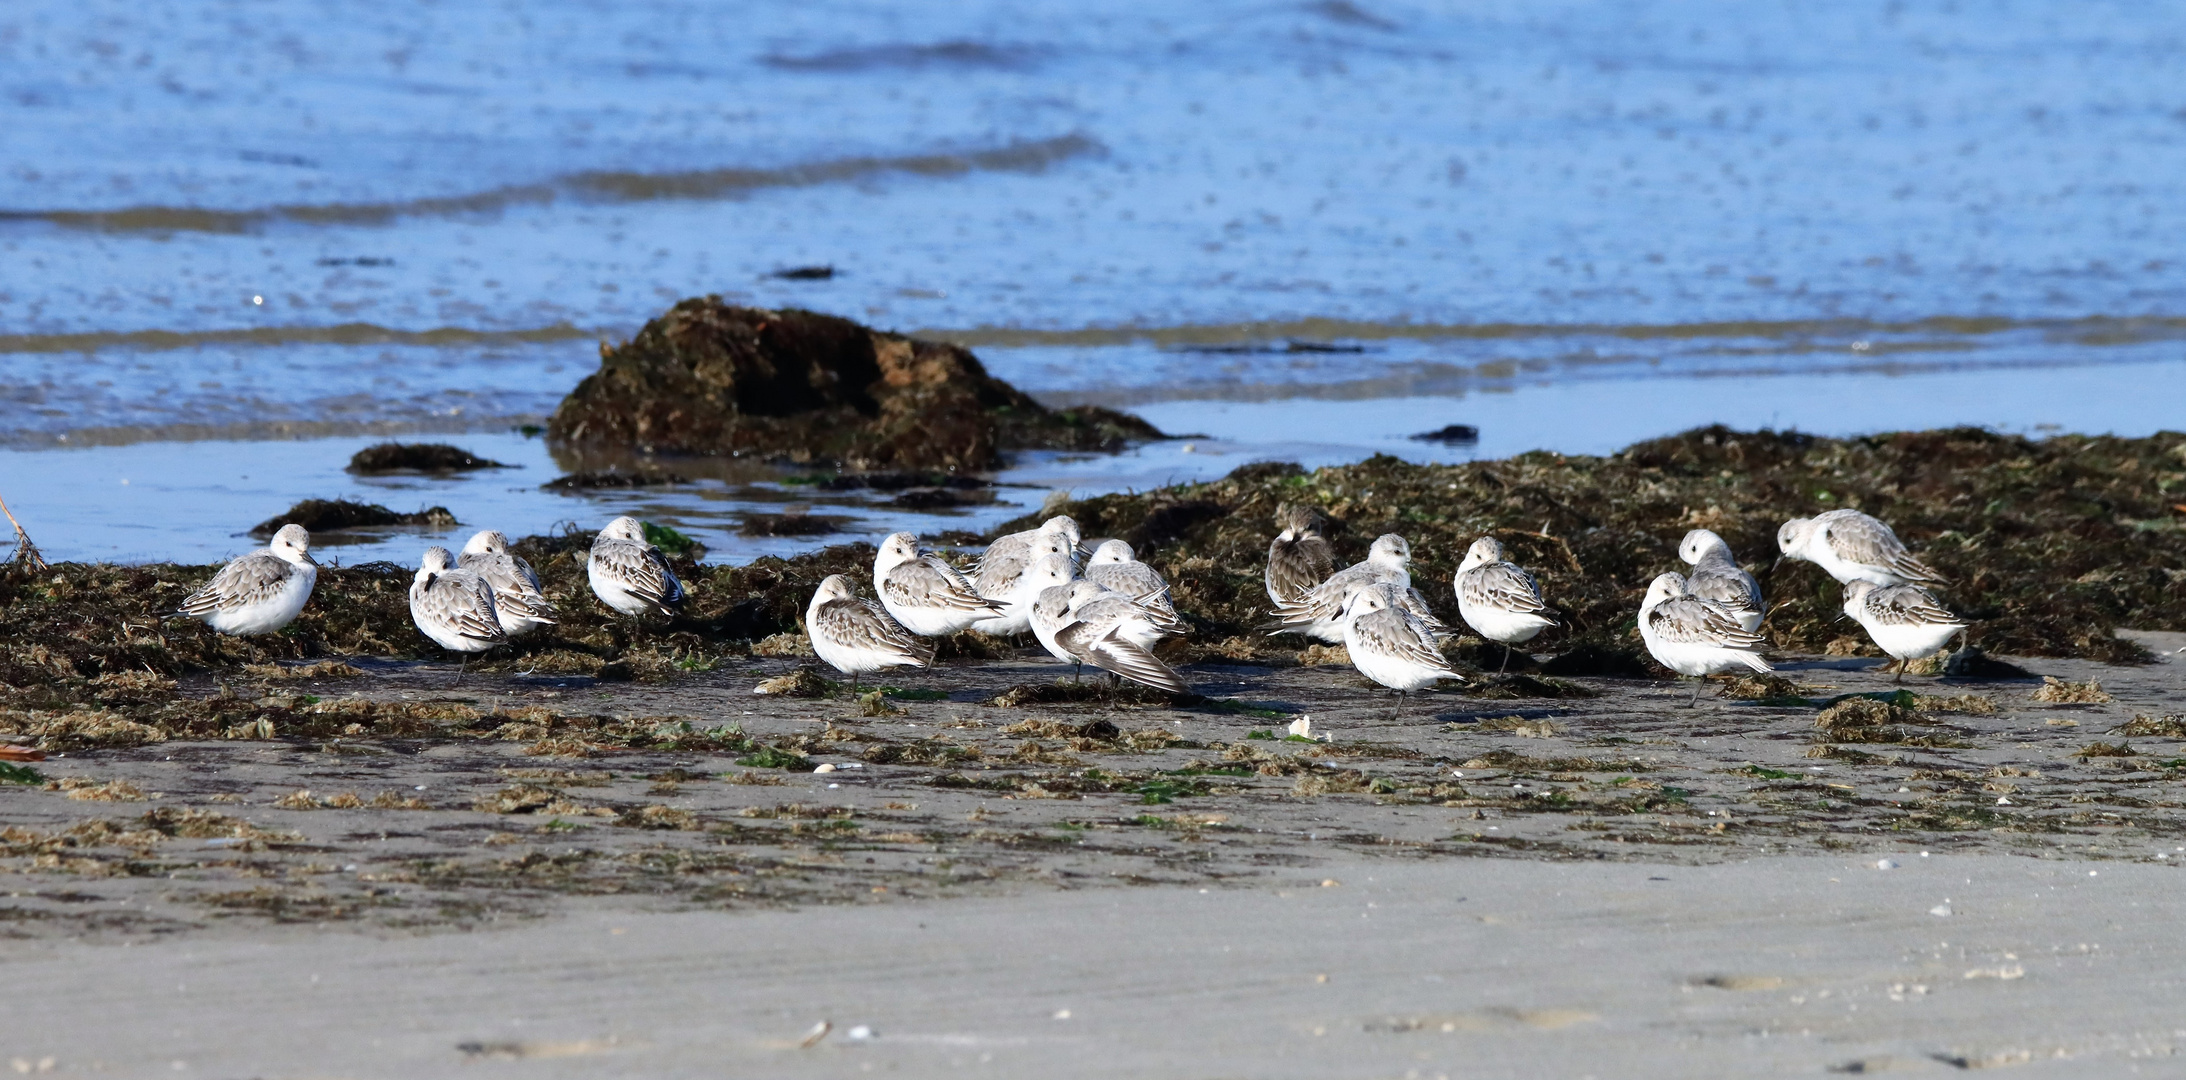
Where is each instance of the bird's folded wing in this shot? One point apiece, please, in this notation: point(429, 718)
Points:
point(1868, 542)
point(640, 570)
point(1389, 633)
point(250, 579)
point(1503, 586)
point(1908, 605)
point(863, 624)
point(1109, 651)
point(928, 583)
point(1689, 621)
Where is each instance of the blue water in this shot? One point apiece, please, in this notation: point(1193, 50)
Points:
point(240, 221)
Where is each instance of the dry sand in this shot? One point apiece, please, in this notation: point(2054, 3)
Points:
point(1612, 885)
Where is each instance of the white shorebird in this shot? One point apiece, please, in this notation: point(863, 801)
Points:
point(1003, 578)
point(1113, 564)
point(1906, 620)
point(629, 574)
point(1851, 546)
point(1717, 577)
point(858, 636)
point(1085, 623)
point(454, 607)
point(1300, 557)
point(1694, 637)
point(1319, 613)
point(929, 597)
point(516, 594)
point(261, 591)
point(1391, 645)
point(1499, 599)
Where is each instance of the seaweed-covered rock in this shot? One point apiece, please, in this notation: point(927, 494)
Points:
point(334, 515)
point(394, 457)
point(713, 378)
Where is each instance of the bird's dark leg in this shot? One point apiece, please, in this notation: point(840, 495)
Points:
point(461, 664)
point(1506, 662)
point(1901, 672)
point(1697, 684)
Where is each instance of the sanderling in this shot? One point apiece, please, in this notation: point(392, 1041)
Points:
point(1391, 645)
point(1003, 578)
point(1059, 591)
point(1319, 613)
point(516, 596)
point(454, 607)
point(858, 636)
point(1108, 630)
point(929, 597)
point(1300, 557)
point(1852, 546)
point(1499, 599)
point(261, 591)
point(1694, 637)
point(1114, 565)
point(1018, 545)
point(1717, 577)
point(1906, 620)
point(629, 574)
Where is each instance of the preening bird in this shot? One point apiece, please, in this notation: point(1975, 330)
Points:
point(1391, 645)
point(1300, 557)
point(1717, 577)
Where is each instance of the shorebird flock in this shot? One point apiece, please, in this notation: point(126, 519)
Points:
point(1099, 606)
point(1113, 612)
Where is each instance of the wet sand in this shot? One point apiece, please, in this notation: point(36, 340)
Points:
point(1774, 965)
point(965, 872)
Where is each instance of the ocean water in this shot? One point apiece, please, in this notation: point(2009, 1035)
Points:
point(240, 239)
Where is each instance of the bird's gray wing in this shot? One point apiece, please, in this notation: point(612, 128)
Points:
point(464, 603)
point(1144, 585)
point(1108, 650)
point(641, 570)
point(1389, 633)
point(1908, 605)
point(1724, 583)
point(995, 576)
point(1697, 622)
point(515, 588)
point(1502, 585)
point(863, 624)
point(1864, 540)
point(247, 580)
point(931, 583)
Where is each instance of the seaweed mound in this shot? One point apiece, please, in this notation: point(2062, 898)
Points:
point(714, 378)
point(394, 457)
point(334, 515)
point(2049, 545)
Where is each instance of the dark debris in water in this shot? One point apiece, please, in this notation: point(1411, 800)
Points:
point(613, 478)
point(337, 515)
point(392, 457)
point(1455, 433)
point(790, 525)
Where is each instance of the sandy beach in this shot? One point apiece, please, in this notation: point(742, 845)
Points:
point(1608, 885)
